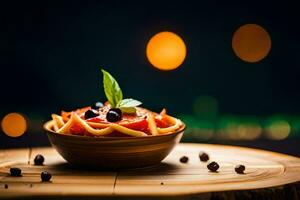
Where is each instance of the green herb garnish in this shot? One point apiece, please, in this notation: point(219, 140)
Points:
point(114, 95)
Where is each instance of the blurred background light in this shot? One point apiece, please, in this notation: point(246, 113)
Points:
point(295, 127)
point(14, 124)
point(278, 130)
point(249, 131)
point(228, 127)
point(202, 130)
point(166, 51)
point(206, 107)
point(251, 43)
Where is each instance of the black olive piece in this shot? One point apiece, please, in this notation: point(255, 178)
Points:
point(46, 176)
point(184, 159)
point(213, 166)
point(90, 114)
point(114, 115)
point(39, 159)
point(97, 105)
point(162, 183)
point(6, 186)
point(240, 169)
point(14, 171)
point(203, 156)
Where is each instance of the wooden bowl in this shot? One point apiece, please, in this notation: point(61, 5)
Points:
point(113, 152)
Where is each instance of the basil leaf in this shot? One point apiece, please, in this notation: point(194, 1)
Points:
point(129, 103)
point(128, 110)
point(111, 88)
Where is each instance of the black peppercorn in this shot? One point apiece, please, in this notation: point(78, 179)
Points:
point(45, 176)
point(203, 156)
point(240, 169)
point(184, 159)
point(6, 186)
point(14, 171)
point(39, 159)
point(213, 166)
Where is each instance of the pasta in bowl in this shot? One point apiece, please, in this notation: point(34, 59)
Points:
point(118, 134)
point(141, 124)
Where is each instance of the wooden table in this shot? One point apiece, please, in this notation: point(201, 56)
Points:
point(277, 173)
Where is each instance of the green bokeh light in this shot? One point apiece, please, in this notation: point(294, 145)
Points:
point(206, 107)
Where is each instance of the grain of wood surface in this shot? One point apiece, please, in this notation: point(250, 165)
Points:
point(274, 172)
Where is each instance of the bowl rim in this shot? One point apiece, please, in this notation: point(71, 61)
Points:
point(48, 130)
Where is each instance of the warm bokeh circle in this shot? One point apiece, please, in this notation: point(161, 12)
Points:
point(14, 124)
point(251, 43)
point(166, 51)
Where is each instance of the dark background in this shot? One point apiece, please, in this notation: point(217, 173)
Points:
point(51, 53)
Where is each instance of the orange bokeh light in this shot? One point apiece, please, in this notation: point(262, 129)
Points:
point(14, 124)
point(251, 43)
point(166, 51)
